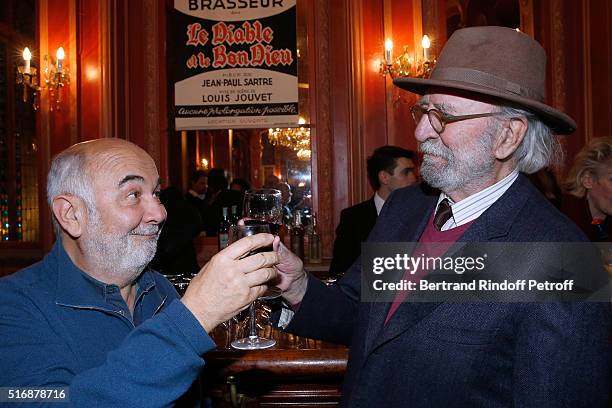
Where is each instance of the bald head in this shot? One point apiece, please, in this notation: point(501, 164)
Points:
point(104, 195)
point(75, 170)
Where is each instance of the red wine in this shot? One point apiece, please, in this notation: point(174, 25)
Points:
point(274, 228)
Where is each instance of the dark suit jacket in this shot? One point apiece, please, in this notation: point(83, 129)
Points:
point(355, 225)
point(200, 205)
point(578, 210)
point(176, 253)
point(465, 354)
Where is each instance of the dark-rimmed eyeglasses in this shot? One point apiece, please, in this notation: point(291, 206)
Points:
point(439, 120)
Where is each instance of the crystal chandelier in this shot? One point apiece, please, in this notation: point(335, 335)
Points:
point(297, 139)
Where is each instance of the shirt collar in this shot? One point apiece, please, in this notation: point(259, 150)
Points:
point(77, 289)
point(473, 206)
point(378, 202)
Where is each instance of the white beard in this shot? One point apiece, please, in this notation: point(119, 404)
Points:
point(463, 166)
point(119, 256)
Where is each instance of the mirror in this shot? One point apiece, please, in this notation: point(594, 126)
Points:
point(254, 155)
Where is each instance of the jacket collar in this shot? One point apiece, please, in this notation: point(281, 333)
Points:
point(493, 224)
point(76, 288)
point(497, 220)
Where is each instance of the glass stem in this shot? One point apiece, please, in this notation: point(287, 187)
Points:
point(252, 323)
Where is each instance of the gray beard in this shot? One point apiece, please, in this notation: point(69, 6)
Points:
point(122, 257)
point(465, 166)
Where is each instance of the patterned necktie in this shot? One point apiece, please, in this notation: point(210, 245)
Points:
point(443, 213)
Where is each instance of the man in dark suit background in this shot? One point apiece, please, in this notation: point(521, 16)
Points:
point(219, 196)
point(481, 123)
point(196, 195)
point(389, 168)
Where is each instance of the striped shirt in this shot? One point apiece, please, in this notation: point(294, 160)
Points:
point(473, 206)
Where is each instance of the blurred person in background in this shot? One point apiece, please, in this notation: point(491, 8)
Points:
point(196, 194)
point(270, 181)
point(176, 254)
point(286, 195)
point(219, 196)
point(240, 184)
point(590, 179)
point(389, 168)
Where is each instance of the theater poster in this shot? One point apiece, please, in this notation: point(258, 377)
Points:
point(234, 63)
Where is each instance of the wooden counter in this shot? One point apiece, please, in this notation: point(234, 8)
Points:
point(296, 372)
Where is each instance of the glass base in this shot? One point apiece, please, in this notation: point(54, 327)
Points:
point(253, 343)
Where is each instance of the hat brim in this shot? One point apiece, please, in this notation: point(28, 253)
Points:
point(559, 122)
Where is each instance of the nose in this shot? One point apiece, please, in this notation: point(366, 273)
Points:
point(424, 131)
point(155, 212)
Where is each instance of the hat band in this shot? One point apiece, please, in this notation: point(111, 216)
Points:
point(484, 79)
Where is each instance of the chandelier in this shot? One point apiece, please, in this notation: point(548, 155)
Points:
point(297, 139)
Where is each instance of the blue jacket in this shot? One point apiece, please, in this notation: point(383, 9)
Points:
point(446, 354)
point(60, 327)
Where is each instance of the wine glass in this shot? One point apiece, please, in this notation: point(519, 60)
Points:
point(264, 207)
point(253, 341)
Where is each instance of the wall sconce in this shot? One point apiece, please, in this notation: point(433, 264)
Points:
point(407, 64)
point(53, 77)
point(27, 76)
point(203, 164)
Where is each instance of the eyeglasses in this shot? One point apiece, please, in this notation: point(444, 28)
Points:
point(439, 120)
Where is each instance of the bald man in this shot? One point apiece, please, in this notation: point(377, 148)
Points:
point(90, 316)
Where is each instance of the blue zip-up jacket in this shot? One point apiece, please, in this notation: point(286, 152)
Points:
point(61, 327)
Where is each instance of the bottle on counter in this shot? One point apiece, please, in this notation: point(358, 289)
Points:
point(224, 227)
point(297, 235)
point(314, 242)
point(285, 234)
point(306, 227)
point(234, 216)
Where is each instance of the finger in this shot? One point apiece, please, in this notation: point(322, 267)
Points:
point(259, 290)
point(247, 244)
point(283, 251)
point(276, 243)
point(257, 261)
point(259, 277)
point(254, 293)
point(241, 222)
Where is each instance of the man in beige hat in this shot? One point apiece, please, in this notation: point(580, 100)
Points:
point(481, 123)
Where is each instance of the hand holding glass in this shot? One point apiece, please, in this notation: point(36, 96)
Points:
point(253, 341)
point(264, 207)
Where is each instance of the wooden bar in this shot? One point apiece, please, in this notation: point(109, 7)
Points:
point(296, 372)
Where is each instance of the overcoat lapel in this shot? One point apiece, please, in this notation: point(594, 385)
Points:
point(486, 228)
point(410, 230)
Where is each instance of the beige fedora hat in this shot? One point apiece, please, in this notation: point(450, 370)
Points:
point(498, 62)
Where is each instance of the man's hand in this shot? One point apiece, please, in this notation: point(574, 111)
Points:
point(291, 278)
point(227, 284)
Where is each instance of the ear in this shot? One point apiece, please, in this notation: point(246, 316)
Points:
point(383, 177)
point(587, 180)
point(511, 136)
point(70, 214)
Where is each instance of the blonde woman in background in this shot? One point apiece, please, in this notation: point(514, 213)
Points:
point(591, 177)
